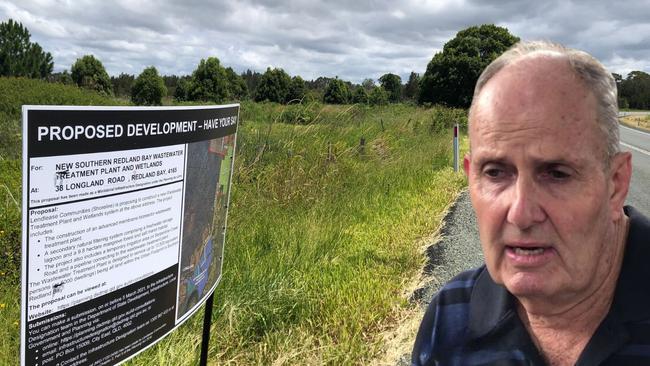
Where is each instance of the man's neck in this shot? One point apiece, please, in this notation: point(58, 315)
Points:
point(563, 333)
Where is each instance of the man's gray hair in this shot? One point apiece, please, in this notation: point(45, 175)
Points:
point(594, 75)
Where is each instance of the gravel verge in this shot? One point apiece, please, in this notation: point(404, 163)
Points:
point(458, 249)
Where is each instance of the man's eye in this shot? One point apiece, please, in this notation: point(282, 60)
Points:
point(556, 174)
point(494, 172)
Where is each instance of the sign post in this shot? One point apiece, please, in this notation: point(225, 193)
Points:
point(205, 339)
point(456, 147)
point(124, 217)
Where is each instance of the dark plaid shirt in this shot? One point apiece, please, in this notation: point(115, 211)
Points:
point(473, 321)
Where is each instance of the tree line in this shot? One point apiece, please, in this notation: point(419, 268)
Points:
point(448, 80)
point(634, 90)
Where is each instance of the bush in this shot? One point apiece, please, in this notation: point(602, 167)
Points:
point(378, 96)
point(296, 89)
point(444, 119)
point(182, 92)
point(10, 220)
point(360, 96)
point(88, 72)
point(337, 92)
point(149, 88)
point(301, 114)
point(273, 86)
point(209, 82)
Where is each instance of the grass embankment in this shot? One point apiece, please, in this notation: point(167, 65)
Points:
point(637, 121)
point(323, 235)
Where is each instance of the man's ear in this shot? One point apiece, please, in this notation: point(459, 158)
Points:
point(466, 163)
point(620, 173)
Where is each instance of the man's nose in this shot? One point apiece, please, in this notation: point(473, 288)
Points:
point(525, 208)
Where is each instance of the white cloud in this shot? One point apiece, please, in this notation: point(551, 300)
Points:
point(352, 40)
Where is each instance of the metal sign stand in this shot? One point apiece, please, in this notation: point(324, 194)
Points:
point(207, 321)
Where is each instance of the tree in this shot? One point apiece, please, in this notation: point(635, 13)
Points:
point(319, 84)
point(182, 90)
point(171, 82)
point(237, 87)
point(622, 102)
point(251, 78)
point(61, 77)
point(296, 89)
point(412, 87)
point(273, 86)
point(122, 84)
point(634, 91)
point(360, 95)
point(393, 85)
point(209, 81)
point(368, 84)
point(88, 72)
point(19, 56)
point(378, 96)
point(148, 88)
point(336, 92)
point(451, 74)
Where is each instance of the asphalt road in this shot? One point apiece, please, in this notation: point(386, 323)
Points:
point(638, 143)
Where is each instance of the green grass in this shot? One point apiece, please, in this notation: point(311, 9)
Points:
point(322, 237)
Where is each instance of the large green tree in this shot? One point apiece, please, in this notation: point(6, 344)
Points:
point(148, 88)
point(88, 72)
point(336, 92)
point(368, 84)
point(182, 90)
point(19, 56)
point(452, 73)
point(209, 81)
point(237, 87)
point(296, 89)
point(393, 85)
point(251, 78)
point(634, 90)
point(412, 87)
point(378, 96)
point(122, 84)
point(360, 95)
point(273, 86)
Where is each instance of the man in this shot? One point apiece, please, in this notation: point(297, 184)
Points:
point(566, 273)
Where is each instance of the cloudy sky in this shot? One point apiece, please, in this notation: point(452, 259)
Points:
point(351, 39)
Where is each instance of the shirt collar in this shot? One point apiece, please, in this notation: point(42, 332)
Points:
point(490, 305)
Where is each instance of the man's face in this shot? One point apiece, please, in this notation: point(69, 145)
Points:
point(538, 182)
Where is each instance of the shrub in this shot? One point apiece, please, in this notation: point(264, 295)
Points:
point(88, 72)
point(337, 92)
point(378, 96)
point(149, 88)
point(209, 82)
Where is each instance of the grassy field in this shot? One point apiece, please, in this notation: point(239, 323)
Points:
point(324, 231)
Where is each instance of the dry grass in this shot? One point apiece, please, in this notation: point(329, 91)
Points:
point(641, 122)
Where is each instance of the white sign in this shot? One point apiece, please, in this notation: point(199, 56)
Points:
point(124, 216)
